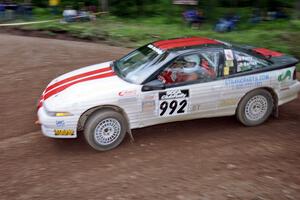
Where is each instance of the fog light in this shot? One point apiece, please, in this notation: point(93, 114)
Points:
point(62, 114)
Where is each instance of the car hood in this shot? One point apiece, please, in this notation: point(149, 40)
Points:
point(88, 85)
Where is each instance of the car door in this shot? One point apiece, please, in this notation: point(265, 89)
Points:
point(189, 97)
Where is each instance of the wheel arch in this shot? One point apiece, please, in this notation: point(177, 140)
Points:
point(274, 97)
point(84, 116)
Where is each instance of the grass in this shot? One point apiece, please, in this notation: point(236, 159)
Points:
point(283, 36)
point(145, 30)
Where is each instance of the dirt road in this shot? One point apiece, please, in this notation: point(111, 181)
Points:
point(207, 159)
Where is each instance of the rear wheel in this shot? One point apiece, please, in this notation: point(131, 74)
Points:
point(105, 130)
point(255, 108)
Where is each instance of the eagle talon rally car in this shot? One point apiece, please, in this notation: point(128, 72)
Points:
point(166, 81)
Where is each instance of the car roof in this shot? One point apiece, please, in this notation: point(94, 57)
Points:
point(186, 43)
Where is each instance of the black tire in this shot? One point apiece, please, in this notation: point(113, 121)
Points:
point(105, 117)
point(264, 103)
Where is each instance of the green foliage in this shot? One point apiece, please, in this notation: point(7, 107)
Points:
point(278, 35)
point(255, 3)
point(134, 8)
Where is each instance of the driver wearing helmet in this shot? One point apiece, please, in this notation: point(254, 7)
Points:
point(189, 68)
point(181, 70)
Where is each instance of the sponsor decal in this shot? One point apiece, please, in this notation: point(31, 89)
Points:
point(173, 102)
point(226, 71)
point(229, 63)
point(128, 100)
point(60, 124)
point(173, 94)
point(228, 54)
point(127, 93)
point(149, 103)
point(283, 79)
point(157, 50)
point(148, 106)
point(247, 81)
point(63, 132)
point(149, 97)
point(194, 108)
point(285, 75)
point(228, 102)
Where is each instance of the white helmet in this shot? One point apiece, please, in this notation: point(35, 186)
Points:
point(195, 60)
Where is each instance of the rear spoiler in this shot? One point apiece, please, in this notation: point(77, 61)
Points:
point(267, 52)
point(277, 58)
point(263, 52)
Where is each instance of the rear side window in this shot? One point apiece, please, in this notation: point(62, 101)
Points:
point(246, 62)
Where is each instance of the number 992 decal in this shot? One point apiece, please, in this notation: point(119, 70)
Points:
point(173, 102)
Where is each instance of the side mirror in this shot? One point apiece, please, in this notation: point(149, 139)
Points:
point(153, 85)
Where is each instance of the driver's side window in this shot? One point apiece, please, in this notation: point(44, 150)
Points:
point(189, 68)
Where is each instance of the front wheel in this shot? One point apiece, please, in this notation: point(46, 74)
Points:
point(105, 130)
point(255, 108)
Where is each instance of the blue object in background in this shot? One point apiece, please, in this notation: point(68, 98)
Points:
point(227, 24)
point(2, 11)
point(193, 16)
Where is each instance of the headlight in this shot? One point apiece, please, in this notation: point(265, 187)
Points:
point(56, 114)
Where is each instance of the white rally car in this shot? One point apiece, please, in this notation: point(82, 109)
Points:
point(167, 81)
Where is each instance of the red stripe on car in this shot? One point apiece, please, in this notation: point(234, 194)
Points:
point(63, 87)
point(184, 42)
point(40, 104)
point(72, 78)
point(163, 42)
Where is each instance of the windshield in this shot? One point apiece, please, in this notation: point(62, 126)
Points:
point(134, 67)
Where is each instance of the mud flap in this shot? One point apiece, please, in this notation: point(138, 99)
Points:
point(276, 112)
point(131, 136)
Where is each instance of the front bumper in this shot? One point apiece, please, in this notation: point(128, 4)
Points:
point(58, 127)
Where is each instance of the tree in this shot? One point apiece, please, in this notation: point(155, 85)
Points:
point(297, 8)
